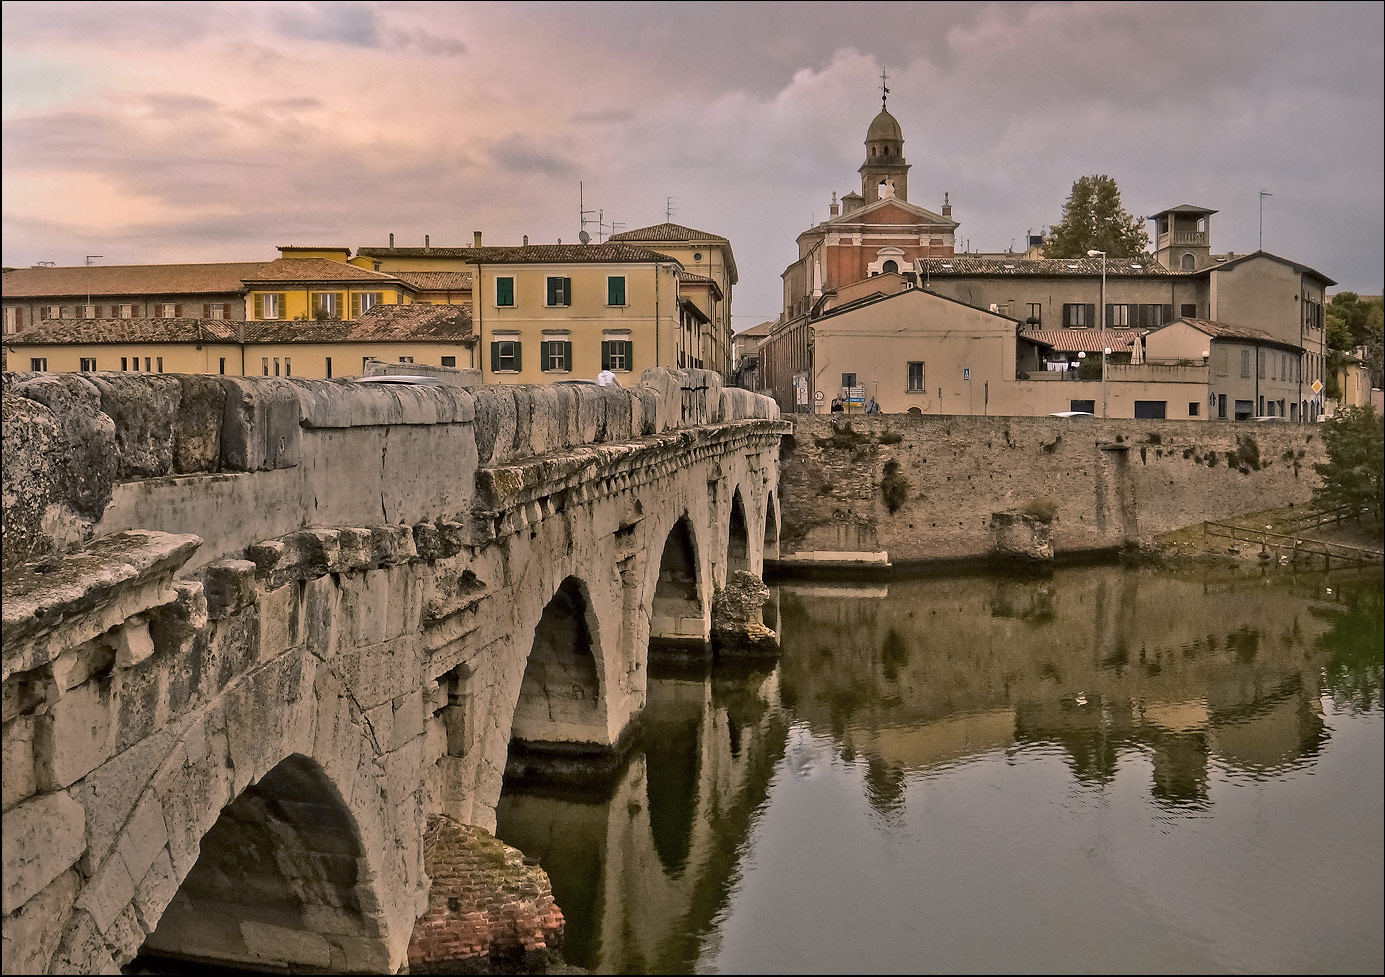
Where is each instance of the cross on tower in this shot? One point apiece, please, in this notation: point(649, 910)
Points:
point(884, 92)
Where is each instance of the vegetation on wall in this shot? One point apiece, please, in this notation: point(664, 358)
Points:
point(1093, 218)
point(1354, 473)
point(894, 486)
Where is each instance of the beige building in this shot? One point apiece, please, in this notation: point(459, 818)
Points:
point(1249, 372)
point(709, 279)
point(326, 349)
point(551, 312)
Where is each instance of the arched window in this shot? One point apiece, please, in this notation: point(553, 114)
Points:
point(1189, 263)
point(889, 267)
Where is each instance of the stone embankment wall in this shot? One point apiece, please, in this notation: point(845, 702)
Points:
point(923, 487)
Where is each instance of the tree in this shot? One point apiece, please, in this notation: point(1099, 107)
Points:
point(1354, 322)
point(1355, 468)
point(1094, 218)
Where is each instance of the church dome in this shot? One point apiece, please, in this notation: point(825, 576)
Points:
point(884, 128)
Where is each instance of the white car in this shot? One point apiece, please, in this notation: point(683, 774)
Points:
point(415, 381)
point(1072, 413)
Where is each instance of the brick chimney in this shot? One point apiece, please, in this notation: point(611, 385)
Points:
point(475, 239)
point(391, 240)
point(947, 205)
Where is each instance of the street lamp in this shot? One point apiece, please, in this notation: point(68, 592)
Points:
point(1105, 352)
point(1092, 254)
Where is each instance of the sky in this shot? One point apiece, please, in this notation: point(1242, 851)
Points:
point(163, 132)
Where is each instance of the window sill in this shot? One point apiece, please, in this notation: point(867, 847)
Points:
point(916, 393)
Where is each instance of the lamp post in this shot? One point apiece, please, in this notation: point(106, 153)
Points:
point(1105, 352)
point(1102, 308)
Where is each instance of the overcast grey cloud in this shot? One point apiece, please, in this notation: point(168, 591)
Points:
point(265, 124)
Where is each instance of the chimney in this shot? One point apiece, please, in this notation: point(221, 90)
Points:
point(475, 239)
point(526, 240)
point(834, 208)
point(947, 205)
point(425, 242)
point(391, 240)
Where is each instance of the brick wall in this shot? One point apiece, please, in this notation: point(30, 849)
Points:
point(1107, 481)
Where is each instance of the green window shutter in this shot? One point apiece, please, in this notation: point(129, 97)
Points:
point(518, 364)
point(551, 297)
point(1110, 313)
point(259, 306)
point(615, 290)
point(495, 357)
point(355, 305)
point(505, 291)
point(567, 356)
point(283, 305)
point(1091, 314)
point(1168, 313)
point(567, 291)
point(629, 354)
point(605, 354)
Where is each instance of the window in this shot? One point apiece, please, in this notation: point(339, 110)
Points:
point(325, 305)
point(288, 367)
point(1260, 363)
point(126, 311)
point(159, 363)
point(65, 313)
point(268, 306)
point(1245, 364)
point(1193, 406)
point(1083, 406)
point(124, 364)
point(1188, 310)
point(615, 290)
point(1150, 408)
point(264, 366)
point(1117, 316)
point(559, 291)
point(916, 377)
point(91, 311)
point(1221, 406)
point(406, 359)
point(216, 310)
point(446, 361)
point(222, 366)
point(1150, 316)
point(365, 301)
point(505, 291)
point(148, 367)
point(557, 356)
point(88, 364)
point(848, 379)
point(505, 356)
point(11, 318)
point(890, 267)
point(1036, 314)
point(617, 355)
point(329, 367)
point(1078, 315)
point(50, 312)
point(1244, 409)
point(1189, 263)
point(38, 363)
point(169, 310)
point(1261, 411)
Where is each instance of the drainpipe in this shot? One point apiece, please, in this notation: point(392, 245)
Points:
point(656, 314)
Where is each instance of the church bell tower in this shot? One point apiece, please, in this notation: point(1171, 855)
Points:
point(885, 173)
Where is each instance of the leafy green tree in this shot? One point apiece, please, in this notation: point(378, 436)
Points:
point(1354, 472)
point(1093, 218)
point(1353, 322)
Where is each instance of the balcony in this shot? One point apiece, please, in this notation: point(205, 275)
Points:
point(1187, 239)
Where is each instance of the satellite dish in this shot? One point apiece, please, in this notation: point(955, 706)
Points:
point(584, 237)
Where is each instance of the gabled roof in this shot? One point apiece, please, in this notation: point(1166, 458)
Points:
point(873, 299)
point(688, 278)
point(1300, 268)
point(410, 252)
point(559, 254)
point(436, 281)
point(283, 270)
point(65, 332)
point(854, 217)
point(1135, 266)
point(1085, 340)
point(212, 278)
point(1183, 209)
point(668, 233)
point(1224, 330)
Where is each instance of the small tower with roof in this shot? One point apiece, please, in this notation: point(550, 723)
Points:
point(1183, 237)
point(885, 163)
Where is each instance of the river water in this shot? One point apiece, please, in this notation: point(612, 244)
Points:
point(1106, 770)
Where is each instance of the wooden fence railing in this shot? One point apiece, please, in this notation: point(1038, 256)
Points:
point(1296, 547)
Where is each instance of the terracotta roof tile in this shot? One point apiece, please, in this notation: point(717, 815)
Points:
point(314, 270)
point(562, 254)
point(1085, 340)
point(219, 278)
point(411, 252)
point(667, 232)
point(436, 281)
point(1135, 266)
point(61, 332)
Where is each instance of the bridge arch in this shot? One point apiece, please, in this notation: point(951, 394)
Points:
point(738, 537)
point(562, 696)
point(678, 609)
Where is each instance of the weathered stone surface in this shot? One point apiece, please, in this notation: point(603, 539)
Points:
point(495, 423)
point(87, 460)
point(18, 760)
point(33, 446)
point(261, 427)
point(197, 426)
point(43, 837)
point(229, 585)
point(737, 625)
point(32, 932)
point(144, 409)
point(1019, 536)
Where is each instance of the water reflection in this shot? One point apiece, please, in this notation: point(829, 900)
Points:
point(1012, 743)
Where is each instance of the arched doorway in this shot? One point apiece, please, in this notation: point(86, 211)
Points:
point(276, 884)
point(677, 615)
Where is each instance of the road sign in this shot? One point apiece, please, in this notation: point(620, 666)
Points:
point(966, 373)
point(1317, 386)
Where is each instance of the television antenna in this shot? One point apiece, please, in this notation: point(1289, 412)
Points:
point(668, 210)
point(582, 217)
point(603, 229)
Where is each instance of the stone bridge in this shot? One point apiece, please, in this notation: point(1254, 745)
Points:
point(256, 632)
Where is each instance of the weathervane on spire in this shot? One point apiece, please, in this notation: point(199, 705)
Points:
point(884, 92)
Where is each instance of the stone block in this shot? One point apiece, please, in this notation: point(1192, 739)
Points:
point(545, 423)
point(125, 936)
point(279, 620)
point(591, 413)
point(197, 426)
point(76, 734)
point(33, 478)
point(32, 932)
point(262, 425)
point(87, 456)
point(144, 836)
point(407, 720)
point(427, 541)
point(133, 643)
point(143, 408)
point(618, 412)
point(523, 446)
point(41, 839)
point(285, 945)
point(354, 549)
point(495, 423)
point(173, 624)
point(229, 586)
point(155, 891)
point(110, 791)
point(18, 761)
point(392, 545)
point(82, 949)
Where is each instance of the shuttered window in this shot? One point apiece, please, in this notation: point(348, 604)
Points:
point(88, 364)
point(505, 356)
point(617, 355)
point(615, 290)
point(557, 356)
point(505, 291)
point(1079, 315)
point(559, 291)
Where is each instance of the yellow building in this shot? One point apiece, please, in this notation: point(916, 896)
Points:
point(437, 275)
point(318, 283)
point(706, 258)
point(550, 312)
point(327, 349)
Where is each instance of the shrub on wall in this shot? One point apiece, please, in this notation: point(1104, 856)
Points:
point(894, 487)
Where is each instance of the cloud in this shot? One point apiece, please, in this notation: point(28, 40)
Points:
point(351, 23)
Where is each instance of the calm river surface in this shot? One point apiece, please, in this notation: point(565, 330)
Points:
point(1106, 770)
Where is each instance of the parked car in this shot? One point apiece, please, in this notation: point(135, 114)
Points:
point(1072, 413)
point(406, 379)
